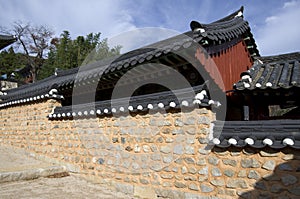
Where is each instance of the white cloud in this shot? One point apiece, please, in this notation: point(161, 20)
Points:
point(138, 38)
point(278, 34)
point(281, 32)
point(79, 17)
point(272, 19)
point(290, 4)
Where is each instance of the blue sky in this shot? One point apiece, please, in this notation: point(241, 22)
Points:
point(274, 23)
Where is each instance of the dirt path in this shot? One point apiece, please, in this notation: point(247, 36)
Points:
point(13, 159)
point(67, 187)
point(17, 165)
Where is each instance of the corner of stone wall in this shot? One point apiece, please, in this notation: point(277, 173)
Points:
point(51, 104)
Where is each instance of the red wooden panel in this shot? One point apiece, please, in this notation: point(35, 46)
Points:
point(232, 62)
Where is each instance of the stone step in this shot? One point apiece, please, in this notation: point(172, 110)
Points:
point(30, 174)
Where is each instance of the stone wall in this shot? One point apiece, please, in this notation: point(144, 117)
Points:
point(157, 154)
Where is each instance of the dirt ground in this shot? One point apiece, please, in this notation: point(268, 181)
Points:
point(13, 161)
point(66, 187)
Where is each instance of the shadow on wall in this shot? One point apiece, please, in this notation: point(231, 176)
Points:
point(283, 182)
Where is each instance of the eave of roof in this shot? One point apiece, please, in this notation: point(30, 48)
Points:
point(275, 134)
point(280, 57)
point(156, 102)
point(274, 72)
point(226, 29)
point(6, 40)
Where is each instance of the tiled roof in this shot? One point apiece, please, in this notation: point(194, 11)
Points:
point(52, 94)
point(275, 134)
point(218, 34)
point(28, 91)
point(281, 57)
point(224, 30)
point(280, 71)
point(95, 71)
point(143, 103)
point(6, 40)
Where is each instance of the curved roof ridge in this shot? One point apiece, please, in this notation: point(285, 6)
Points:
point(225, 21)
point(231, 16)
point(225, 30)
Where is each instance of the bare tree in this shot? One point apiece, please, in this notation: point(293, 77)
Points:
point(34, 41)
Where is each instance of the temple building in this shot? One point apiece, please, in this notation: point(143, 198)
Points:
point(5, 83)
point(6, 40)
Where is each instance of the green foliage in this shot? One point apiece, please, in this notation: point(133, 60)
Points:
point(11, 61)
point(62, 53)
point(66, 53)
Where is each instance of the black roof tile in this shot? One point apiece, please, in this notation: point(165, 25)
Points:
point(225, 30)
point(280, 71)
point(6, 40)
point(163, 100)
point(276, 134)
